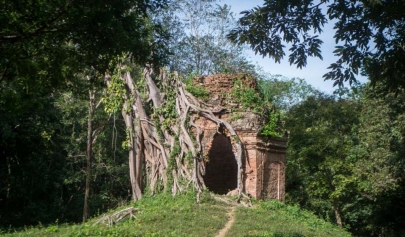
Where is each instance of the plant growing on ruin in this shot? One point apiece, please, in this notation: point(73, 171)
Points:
point(272, 127)
point(252, 100)
point(196, 90)
point(164, 142)
point(248, 97)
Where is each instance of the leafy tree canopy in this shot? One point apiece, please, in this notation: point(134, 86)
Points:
point(52, 40)
point(319, 171)
point(284, 93)
point(369, 35)
point(198, 43)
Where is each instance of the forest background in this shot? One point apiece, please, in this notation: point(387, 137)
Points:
point(64, 142)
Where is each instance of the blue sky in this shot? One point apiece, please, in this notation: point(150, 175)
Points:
point(315, 68)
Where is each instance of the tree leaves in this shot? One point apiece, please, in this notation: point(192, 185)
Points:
point(73, 35)
point(198, 43)
point(350, 151)
point(369, 36)
point(264, 29)
point(318, 148)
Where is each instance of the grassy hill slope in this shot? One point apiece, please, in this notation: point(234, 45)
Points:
point(164, 215)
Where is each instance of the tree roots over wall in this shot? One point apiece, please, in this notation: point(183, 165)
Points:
point(164, 142)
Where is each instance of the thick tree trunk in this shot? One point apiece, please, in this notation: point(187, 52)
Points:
point(135, 168)
point(89, 156)
point(337, 213)
point(335, 201)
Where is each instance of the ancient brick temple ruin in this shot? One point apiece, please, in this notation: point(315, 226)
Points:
point(263, 162)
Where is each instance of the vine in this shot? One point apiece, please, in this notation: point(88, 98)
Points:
point(175, 152)
point(115, 93)
point(126, 143)
point(168, 109)
point(140, 85)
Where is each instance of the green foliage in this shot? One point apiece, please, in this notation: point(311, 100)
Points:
point(115, 93)
point(378, 164)
point(199, 43)
point(43, 143)
point(44, 39)
point(140, 83)
point(249, 98)
point(283, 92)
point(33, 164)
point(46, 48)
point(168, 109)
point(172, 160)
point(275, 17)
point(348, 153)
point(254, 101)
point(272, 128)
point(196, 90)
point(381, 137)
point(320, 172)
point(127, 142)
point(235, 117)
point(369, 36)
point(109, 168)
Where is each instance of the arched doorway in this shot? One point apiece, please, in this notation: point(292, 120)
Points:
point(221, 170)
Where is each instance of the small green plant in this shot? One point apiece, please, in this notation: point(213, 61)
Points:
point(272, 128)
point(235, 138)
point(197, 91)
point(127, 142)
point(114, 98)
point(235, 117)
point(248, 97)
point(52, 229)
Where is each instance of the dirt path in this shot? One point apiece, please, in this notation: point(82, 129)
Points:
point(228, 225)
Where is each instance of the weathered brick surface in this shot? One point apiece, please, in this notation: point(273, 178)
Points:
point(264, 159)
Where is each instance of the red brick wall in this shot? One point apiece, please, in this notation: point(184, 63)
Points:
point(273, 185)
point(264, 161)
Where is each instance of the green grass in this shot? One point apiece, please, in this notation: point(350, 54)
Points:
point(275, 219)
point(164, 215)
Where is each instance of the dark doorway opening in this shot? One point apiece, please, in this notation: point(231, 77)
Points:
point(221, 170)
